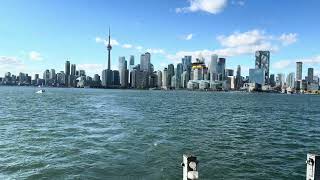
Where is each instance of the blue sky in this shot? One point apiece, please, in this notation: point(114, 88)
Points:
point(41, 34)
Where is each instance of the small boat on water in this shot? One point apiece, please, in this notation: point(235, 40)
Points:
point(40, 91)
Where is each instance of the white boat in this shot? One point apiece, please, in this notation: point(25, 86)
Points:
point(40, 91)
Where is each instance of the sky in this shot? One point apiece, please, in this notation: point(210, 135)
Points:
point(36, 35)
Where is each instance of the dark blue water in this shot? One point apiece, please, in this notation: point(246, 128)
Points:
point(128, 134)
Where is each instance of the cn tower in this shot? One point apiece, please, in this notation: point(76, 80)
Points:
point(109, 51)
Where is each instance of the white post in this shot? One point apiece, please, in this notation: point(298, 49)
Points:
point(190, 167)
point(313, 167)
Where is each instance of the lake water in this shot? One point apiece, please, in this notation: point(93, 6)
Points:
point(131, 134)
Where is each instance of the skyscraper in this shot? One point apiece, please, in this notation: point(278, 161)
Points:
point(238, 78)
point(310, 75)
point(52, 75)
point(221, 66)
point(67, 73)
point(159, 80)
point(299, 71)
point(170, 73)
point(257, 76)
point(186, 63)
point(73, 69)
point(263, 62)
point(229, 72)
point(145, 64)
point(165, 79)
point(123, 72)
point(131, 62)
point(291, 80)
point(46, 76)
point(67, 68)
point(213, 67)
point(104, 78)
point(178, 73)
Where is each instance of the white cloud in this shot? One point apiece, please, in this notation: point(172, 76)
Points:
point(139, 48)
point(127, 46)
point(4, 60)
point(155, 51)
point(282, 64)
point(288, 39)
point(236, 44)
point(91, 69)
point(252, 37)
point(11, 64)
point(210, 6)
point(99, 40)
point(35, 56)
point(188, 37)
point(113, 42)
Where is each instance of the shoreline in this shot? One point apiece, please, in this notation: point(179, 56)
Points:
point(155, 89)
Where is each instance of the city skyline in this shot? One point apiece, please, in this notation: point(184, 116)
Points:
point(193, 30)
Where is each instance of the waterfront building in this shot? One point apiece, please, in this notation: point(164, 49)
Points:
point(123, 72)
point(131, 63)
point(139, 79)
point(184, 79)
point(280, 79)
point(229, 72)
point(153, 80)
point(115, 78)
point(310, 75)
point(165, 79)
point(96, 81)
point(221, 66)
point(291, 80)
point(263, 62)
point(197, 74)
point(145, 64)
point(173, 82)
point(186, 63)
point(231, 82)
point(67, 72)
point(36, 76)
point(52, 74)
point(73, 76)
point(238, 82)
point(192, 85)
point(82, 73)
point(104, 78)
point(198, 69)
point(73, 70)
point(213, 67)
point(257, 76)
point(299, 71)
point(170, 73)
point(159, 79)
point(272, 80)
point(46, 77)
point(178, 73)
point(204, 85)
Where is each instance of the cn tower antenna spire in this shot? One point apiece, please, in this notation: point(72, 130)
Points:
point(109, 51)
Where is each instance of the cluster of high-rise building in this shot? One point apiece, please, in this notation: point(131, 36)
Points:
point(259, 78)
point(185, 75)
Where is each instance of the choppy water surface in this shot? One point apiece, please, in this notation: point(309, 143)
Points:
point(128, 134)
